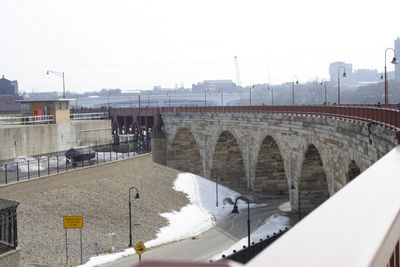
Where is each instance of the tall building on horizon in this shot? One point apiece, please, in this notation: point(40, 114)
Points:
point(333, 71)
point(8, 87)
point(397, 66)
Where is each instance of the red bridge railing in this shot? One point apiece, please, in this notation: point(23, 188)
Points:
point(389, 117)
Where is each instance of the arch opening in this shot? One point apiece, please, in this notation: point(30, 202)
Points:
point(184, 154)
point(270, 175)
point(353, 171)
point(227, 163)
point(313, 187)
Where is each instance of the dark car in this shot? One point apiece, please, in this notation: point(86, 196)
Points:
point(74, 156)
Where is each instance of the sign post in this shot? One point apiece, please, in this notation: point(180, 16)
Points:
point(140, 248)
point(72, 222)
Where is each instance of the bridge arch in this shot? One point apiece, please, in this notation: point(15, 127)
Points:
point(227, 164)
point(184, 152)
point(270, 174)
point(312, 183)
point(353, 171)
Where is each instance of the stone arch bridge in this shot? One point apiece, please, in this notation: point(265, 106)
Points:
point(276, 150)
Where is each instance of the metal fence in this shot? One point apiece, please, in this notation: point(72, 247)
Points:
point(89, 116)
point(8, 231)
point(25, 168)
point(247, 253)
point(26, 120)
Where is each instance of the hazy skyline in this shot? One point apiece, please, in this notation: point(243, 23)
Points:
point(139, 44)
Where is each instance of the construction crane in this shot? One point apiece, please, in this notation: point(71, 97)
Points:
point(237, 71)
point(239, 83)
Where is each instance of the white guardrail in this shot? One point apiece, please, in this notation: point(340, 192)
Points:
point(358, 226)
point(22, 120)
point(89, 116)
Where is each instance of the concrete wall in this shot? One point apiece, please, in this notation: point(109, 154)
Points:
point(338, 144)
point(10, 258)
point(28, 140)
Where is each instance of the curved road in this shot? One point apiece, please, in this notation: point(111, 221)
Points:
point(204, 246)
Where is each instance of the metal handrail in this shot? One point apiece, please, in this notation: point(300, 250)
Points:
point(23, 120)
point(89, 116)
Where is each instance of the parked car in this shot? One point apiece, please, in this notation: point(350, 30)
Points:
point(80, 155)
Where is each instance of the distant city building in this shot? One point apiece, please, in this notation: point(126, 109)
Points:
point(227, 86)
point(365, 76)
point(333, 72)
point(397, 66)
point(8, 87)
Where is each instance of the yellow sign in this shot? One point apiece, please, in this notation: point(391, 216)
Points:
point(71, 222)
point(140, 248)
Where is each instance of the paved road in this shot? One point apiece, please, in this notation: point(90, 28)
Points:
point(226, 233)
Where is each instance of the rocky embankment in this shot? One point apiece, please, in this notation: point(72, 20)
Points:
point(100, 193)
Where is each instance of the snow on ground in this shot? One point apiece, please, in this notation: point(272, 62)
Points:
point(193, 219)
point(270, 226)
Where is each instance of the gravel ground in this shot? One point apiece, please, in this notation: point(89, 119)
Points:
point(99, 193)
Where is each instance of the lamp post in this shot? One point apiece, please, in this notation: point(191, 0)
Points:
point(294, 80)
point(298, 197)
point(60, 74)
point(205, 96)
point(148, 99)
point(216, 191)
point(169, 99)
point(272, 94)
point(108, 104)
point(324, 83)
point(394, 61)
point(338, 84)
point(236, 210)
point(250, 93)
point(130, 214)
point(140, 120)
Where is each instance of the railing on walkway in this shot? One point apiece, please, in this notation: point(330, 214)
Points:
point(89, 116)
point(25, 168)
point(24, 120)
point(389, 117)
point(247, 253)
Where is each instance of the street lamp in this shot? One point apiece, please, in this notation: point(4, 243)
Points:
point(394, 61)
point(60, 74)
point(250, 93)
point(222, 96)
point(148, 99)
point(294, 80)
point(298, 197)
point(236, 210)
point(326, 98)
point(272, 94)
point(205, 96)
point(338, 83)
point(169, 99)
point(130, 214)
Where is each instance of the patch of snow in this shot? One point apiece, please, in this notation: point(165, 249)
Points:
point(193, 219)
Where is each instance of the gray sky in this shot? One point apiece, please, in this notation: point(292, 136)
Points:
point(131, 44)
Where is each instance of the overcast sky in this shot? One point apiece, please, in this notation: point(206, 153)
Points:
point(131, 44)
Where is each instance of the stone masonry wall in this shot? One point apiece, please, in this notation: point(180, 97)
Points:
point(339, 142)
